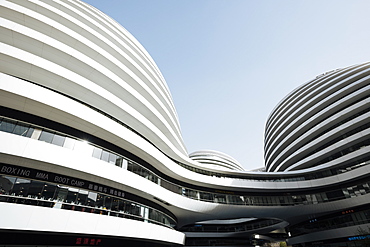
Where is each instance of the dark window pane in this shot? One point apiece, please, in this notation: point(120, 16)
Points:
point(20, 129)
point(21, 187)
point(7, 126)
point(71, 195)
point(91, 199)
point(58, 140)
point(49, 191)
point(130, 166)
point(29, 132)
point(100, 201)
point(116, 204)
point(35, 189)
point(46, 136)
point(82, 197)
point(61, 193)
point(6, 184)
point(119, 161)
point(108, 202)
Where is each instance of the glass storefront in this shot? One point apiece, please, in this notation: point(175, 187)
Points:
point(33, 192)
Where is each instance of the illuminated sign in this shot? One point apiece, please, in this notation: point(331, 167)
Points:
point(348, 211)
point(88, 241)
point(359, 238)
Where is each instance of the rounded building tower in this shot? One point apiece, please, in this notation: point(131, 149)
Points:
point(216, 160)
point(323, 123)
point(83, 110)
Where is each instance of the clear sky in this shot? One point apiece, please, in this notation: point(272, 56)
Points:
point(228, 63)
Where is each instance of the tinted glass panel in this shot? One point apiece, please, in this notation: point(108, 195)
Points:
point(21, 187)
point(46, 136)
point(91, 199)
point(100, 201)
point(105, 156)
point(7, 126)
point(108, 202)
point(36, 189)
point(49, 191)
point(6, 184)
point(58, 140)
point(82, 197)
point(71, 195)
point(119, 161)
point(29, 132)
point(112, 158)
point(61, 193)
point(20, 129)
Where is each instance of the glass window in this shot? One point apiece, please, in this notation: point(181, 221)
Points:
point(6, 184)
point(116, 204)
point(108, 202)
point(22, 130)
point(205, 196)
point(49, 191)
point(7, 125)
point(46, 136)
point(121, 206)
point(100, 201)
point(36, 189)
point(58, 140)
point(124, 163)
point(69, 143)
point(105, 156)
point(29, 132)
point(97, 152)
point(91, 199)
point(126, 206)
point(62, 193)
point(71, 195)
point(220, 198)
point(130, 166)
point(112, 158)
point(82, 197)
point(135, 209)
point(21, 187)
point(119, 161)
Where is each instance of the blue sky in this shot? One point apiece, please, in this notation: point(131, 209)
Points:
point(228, 63)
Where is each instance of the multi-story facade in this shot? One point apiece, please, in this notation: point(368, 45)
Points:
point(91, 151)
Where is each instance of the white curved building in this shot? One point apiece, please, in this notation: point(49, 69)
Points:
point(321, 123)
point(216, 160)
point(92, 153)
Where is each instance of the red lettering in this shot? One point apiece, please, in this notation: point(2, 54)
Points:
point(86, 241)
point(78, 240)
point(98, 241)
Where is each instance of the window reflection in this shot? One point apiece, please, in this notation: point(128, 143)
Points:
point(32, 192)
point(46, 136)
point(7, 125)
point(6, 184)
point(21, 187)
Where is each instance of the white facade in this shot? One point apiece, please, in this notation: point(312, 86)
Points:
point(91, 151)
